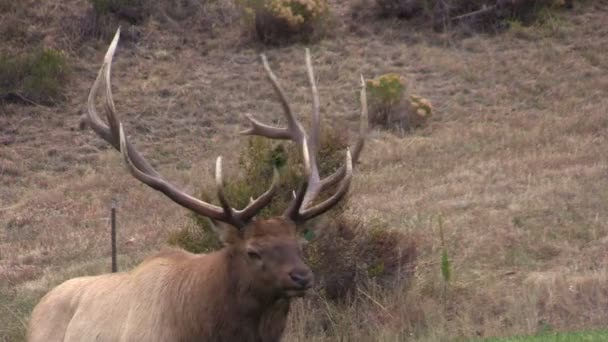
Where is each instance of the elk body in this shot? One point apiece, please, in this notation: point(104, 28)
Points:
point(239, 293)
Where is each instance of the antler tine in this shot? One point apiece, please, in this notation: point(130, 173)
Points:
point(158, 183)
point(259, 203)
point(219, 183)
point(258, 128)
point(363, 129)
point(240, 217)
point(96, 123)
point(293, 209)
point(110, 133)
point(293, 126)
point(294, 130)
point(313, 185)
point(316, 119)
point(324, 206)
point(144, 172)
point(300, 210)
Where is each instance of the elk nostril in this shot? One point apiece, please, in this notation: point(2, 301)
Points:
point(301, 278)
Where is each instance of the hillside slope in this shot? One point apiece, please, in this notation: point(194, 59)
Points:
point(514, 161)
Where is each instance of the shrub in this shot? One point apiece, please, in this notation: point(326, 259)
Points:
point(280, 21)
point(419, 111)
point(196, 238)
point(399, 8)
point(341, 251)
point(389, 108)
point(346, 255)
point(38, 76)
point(481, 15)
point(134, 11)
point(105, 16)
point(486, 15)
point(386, 90)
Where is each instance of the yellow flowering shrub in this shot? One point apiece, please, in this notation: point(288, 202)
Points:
point(419, 110)
point(386, 90)
point(277, 20)
point(389, 106)
point(296, 12)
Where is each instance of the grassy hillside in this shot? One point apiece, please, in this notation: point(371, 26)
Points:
point(514, 161)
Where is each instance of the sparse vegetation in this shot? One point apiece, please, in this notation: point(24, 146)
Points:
point(470, 14)
point(105, 16)
point(12, 25)
point(197, 237)
point(400, 8)
point(36, 77)
point(134, 11)
point(281, 21)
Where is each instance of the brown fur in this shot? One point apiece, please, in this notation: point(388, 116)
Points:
point(178, 296)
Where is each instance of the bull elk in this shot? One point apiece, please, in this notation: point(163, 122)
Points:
point(239, 293)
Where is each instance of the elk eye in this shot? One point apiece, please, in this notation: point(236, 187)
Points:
point(254, 255)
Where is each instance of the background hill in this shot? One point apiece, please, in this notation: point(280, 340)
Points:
point(514, 159)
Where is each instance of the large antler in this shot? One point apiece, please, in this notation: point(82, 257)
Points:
point(300, 208)
point(114, 134)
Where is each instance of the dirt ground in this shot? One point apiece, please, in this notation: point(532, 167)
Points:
point(514, 160)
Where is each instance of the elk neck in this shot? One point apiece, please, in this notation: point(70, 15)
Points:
point(214, 292)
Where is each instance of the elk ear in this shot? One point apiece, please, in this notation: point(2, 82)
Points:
point(228, 234)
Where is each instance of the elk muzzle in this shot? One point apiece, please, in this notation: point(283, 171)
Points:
point(301, 279)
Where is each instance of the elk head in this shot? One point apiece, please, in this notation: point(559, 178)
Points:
point(265, 253)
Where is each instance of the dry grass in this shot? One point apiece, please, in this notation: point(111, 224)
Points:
point(514, 160)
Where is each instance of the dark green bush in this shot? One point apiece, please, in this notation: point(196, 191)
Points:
point(342, 252)
point(399, 8)
point(135, 11)
point(38, 76)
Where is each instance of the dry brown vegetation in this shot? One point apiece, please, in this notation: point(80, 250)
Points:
point(514, 160)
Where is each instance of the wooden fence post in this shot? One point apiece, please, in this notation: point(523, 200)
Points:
point(113, 234)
